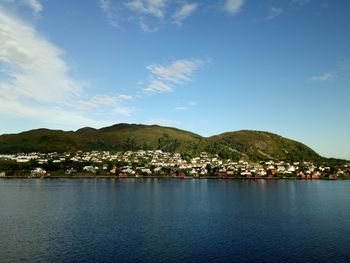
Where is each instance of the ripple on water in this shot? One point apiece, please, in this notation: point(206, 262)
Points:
point(171, 220)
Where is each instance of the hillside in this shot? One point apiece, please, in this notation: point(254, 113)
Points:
point(258, 145)
point(253, 145)
point(119, 137)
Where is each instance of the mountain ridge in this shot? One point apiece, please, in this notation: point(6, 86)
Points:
point(242, 144)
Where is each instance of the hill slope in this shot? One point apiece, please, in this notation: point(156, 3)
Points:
point(258, 145)
point(253, 145)
point(119, 137)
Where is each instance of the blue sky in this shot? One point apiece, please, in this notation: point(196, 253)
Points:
point(204, 66)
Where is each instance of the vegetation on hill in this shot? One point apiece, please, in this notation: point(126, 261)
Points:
point(250, 145)
point(259, 145)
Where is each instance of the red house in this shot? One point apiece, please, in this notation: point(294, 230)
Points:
point(182, 174)
point(123, 175)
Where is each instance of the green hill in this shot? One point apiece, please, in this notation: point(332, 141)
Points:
point(258, 145)
point(252, 145)
point(119, 137)
point(136, 137)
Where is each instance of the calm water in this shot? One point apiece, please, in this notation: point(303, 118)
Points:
point(154, 220)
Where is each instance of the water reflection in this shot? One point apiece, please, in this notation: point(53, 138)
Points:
point(173, 220)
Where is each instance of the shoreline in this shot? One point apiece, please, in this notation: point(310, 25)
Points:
point(170, 177)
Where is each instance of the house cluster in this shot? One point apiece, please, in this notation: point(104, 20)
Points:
point(38, 172)
point(40, 158)
point(147, 163)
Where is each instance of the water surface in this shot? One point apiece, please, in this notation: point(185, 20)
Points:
point(143, 220)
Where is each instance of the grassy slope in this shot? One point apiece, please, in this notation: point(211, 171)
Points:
point(235, 145)
point(134, 137)
point(259, 145)
point(116, 137)
point(42, 139)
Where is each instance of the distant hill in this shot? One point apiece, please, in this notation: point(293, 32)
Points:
point(259, 145)
point(119, 137)
point(252, 145)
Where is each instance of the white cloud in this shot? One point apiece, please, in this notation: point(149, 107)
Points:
point(35, 67)
point(183, 12)
point(163, 122)
point(97, 101)
point(233, 6)
point(157, 86)
point(109, 100)
point(114, 102)
point(178, 72)
point(125, 111)
point(180, 108)
point(34, 5)
point(274, 12)
point(324, 77)
point(111, 15)
point(46, 113)
point(164, 77)
point(145, 27)
point(149, 15)
point(36, 83)
point(184, 108)
point(151, 7)
point(124, 97)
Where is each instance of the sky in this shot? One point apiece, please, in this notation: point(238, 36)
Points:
point(208, 66)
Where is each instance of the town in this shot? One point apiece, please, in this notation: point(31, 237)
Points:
point(159, 164)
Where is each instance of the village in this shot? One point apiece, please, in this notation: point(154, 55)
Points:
point(160, 164)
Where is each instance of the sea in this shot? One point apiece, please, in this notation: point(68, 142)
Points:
point(173, 220)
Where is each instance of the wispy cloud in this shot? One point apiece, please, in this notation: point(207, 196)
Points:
point(324, 77)
point(177, 72)
point(163, 122)
point(274, 12)
point(150, 15)
point(104, 100)
point(35, 67)
point(183, 12)
point(324, 5)
point(158, 86)
point(125, 111)
point(340, 71)
point(164, 77)
point(48, 114)
point(140, 11)
point(109, 104)
point(151, 7)
point(34, 5)
point(189, 105)
point(181, 108)
point(233, 6)
point(36, 82)
point(107, 8)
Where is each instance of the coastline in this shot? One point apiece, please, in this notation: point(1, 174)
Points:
point(170, 177)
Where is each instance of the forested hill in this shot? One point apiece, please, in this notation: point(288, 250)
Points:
point(245, 144)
